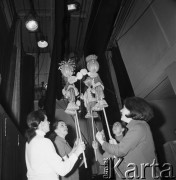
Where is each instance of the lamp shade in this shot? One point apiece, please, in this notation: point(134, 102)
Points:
point(42, 41)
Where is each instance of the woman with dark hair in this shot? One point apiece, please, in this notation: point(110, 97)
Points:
point(60, 131)
point(137, 146)
point(42, 161)
point(119, 131)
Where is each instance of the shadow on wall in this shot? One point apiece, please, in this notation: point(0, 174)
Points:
point(155, 125)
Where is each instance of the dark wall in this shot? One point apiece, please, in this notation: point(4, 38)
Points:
point(6, 52)
point(12, 150)
point(26, 88)
point(4, 32)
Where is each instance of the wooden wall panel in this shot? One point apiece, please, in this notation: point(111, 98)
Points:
point(12, 149)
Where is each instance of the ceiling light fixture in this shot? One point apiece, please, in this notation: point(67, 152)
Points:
point(42, 42)
point(73, 6)
point(31, 23)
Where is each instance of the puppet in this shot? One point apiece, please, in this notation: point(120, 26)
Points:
point(93, 67)
point(89, 98)
point(69, 91)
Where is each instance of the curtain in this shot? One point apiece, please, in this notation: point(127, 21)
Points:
point(125, 87)
point(113, 77)
point(12, 150)
point(13, 83)
point(4, 33)
point(10, 75)
point(54, 88)
point(16, 87)
point(26, 89)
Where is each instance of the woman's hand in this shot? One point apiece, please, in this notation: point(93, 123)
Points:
point(95, 145)
point(76, 142)
point(80, 147)
point(112, 141)
point(74, 146)
point(100, 137)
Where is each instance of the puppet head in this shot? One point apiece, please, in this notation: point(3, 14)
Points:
point(92, 64)
point(67, 68)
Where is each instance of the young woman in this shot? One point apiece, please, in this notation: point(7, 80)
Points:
point(60, 131)
point(137, 146)
point(42, 161)
point(118, 131)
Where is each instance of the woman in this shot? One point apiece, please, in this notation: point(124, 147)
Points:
point(137, 146)
point(118, 131)
point(60, 131)
point(43, 163)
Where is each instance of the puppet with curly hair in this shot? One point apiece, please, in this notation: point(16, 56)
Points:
point(69, 91)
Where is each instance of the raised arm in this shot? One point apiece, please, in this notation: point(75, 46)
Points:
point(129, 141)
point(55, 161)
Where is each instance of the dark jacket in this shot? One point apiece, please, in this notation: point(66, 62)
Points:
point(137, 149)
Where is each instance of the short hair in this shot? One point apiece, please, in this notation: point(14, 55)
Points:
point(33, 120)
point(139, 108)
point(54, 126)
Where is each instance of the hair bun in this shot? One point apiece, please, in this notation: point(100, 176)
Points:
point(33, 125)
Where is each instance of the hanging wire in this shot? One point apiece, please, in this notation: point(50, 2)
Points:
point(24, 6)
point(45, 16)
point(80, 26)
point(31, 2)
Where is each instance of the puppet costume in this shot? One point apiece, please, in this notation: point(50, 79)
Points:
point(89, 99)
point(93, 67)
point(69, 91)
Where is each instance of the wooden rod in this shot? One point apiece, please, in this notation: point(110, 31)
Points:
point(79, 131)
point(93, 130)
point(110, 137)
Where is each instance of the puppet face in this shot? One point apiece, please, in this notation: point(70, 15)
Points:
point(67, 70)
point(93, 66)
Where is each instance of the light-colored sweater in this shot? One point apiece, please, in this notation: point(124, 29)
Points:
point(43, 163)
